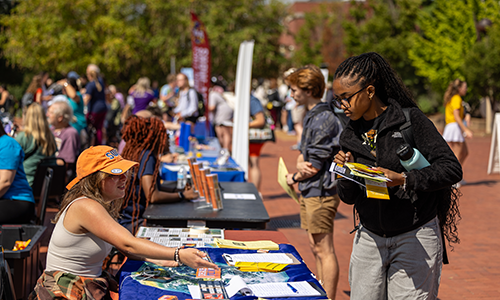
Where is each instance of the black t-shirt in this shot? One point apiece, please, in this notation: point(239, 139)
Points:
point(369, 130)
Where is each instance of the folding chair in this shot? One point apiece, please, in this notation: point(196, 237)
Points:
point(58, 185)
point(7, 291)
point(44, 195)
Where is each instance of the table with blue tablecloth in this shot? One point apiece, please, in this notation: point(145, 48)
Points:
point(230, 171)
point(174, 281)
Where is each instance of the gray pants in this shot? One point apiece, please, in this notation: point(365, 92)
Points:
point(407, 266)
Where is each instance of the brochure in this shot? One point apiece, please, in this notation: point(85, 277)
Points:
point(255, 245)
point(374, 181)
point(180, 237)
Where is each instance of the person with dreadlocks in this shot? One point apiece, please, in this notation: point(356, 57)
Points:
point(398, 247)
point(146, 140)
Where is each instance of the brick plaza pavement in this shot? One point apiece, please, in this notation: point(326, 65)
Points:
point(474, 269)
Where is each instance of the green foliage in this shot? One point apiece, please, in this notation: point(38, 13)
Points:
point(482, 65)
point(385, 27)
point(310, 37)
point(131, 38)
point(229, 23)
point(447, 35)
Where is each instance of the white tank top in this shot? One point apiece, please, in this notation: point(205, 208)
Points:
point(78, 254)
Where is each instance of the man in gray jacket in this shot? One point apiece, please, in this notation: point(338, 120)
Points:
point(319, 200)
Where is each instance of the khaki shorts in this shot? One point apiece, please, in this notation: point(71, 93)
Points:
point(317, 213)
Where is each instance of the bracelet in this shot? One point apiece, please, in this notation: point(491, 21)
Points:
point(293, 177)
point(181, 195)
point(177, 258)
point(404, 183)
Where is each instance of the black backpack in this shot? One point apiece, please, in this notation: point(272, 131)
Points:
point(201, 103)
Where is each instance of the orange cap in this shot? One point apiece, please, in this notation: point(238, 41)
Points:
point(100, 158)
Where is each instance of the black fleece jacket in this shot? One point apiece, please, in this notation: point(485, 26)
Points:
point(398, 215)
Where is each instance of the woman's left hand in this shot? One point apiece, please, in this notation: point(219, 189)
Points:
point(396, 178)
point(194, 259)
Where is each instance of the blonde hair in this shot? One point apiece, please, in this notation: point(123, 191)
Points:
point(142, 85)
point(452, 90)
point(36, 125)
point(94, 71)
point(90, 187)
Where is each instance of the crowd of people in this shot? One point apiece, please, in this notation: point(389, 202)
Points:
point(398, 247)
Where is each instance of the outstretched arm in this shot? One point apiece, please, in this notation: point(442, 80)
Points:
point(90, 216)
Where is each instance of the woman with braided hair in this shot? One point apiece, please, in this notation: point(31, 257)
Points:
point(398, 248)
point(146, 140)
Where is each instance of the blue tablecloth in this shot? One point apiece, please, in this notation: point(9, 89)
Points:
point(130, 288)
point(224, 174)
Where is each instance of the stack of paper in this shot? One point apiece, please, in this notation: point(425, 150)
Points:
point(367, 172)
point(255, 245)
point(259, 266)
point(272, 289)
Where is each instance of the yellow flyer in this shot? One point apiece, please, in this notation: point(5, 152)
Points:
point(282, 171)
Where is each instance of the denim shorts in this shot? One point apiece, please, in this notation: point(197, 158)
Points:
point(406, 266)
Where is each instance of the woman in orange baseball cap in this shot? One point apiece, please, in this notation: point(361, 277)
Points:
point(86, 229)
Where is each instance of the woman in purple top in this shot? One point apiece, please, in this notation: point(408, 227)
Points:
point(142, 94)
point(95, 99)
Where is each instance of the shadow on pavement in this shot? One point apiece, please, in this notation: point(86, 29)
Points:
point(482, 182)
point(291, 221)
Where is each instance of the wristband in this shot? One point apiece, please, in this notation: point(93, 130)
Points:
point(404, 183)
point(293, 177)
point(177, 258)
point(181, 195)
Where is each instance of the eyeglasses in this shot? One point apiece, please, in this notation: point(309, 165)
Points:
point(338, 102)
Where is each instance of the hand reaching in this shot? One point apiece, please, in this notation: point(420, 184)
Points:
point(194, 259)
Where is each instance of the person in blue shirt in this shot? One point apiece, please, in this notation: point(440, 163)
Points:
point(95, 99)
point(17, 205)
point(257, 120)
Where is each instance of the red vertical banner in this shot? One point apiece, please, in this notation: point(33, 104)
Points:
point(201, 58)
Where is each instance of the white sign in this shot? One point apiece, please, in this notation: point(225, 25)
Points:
point(242, 105)
point(494, 162)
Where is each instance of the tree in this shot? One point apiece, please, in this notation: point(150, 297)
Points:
point(482, 65)
point(447, 35)
point(229, 23)
point(386, 27)
point(131, 38)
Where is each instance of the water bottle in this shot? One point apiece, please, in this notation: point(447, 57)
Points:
point(181, 178)
point(411, 158)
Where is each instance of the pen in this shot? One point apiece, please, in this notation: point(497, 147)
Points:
point(292, 288)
